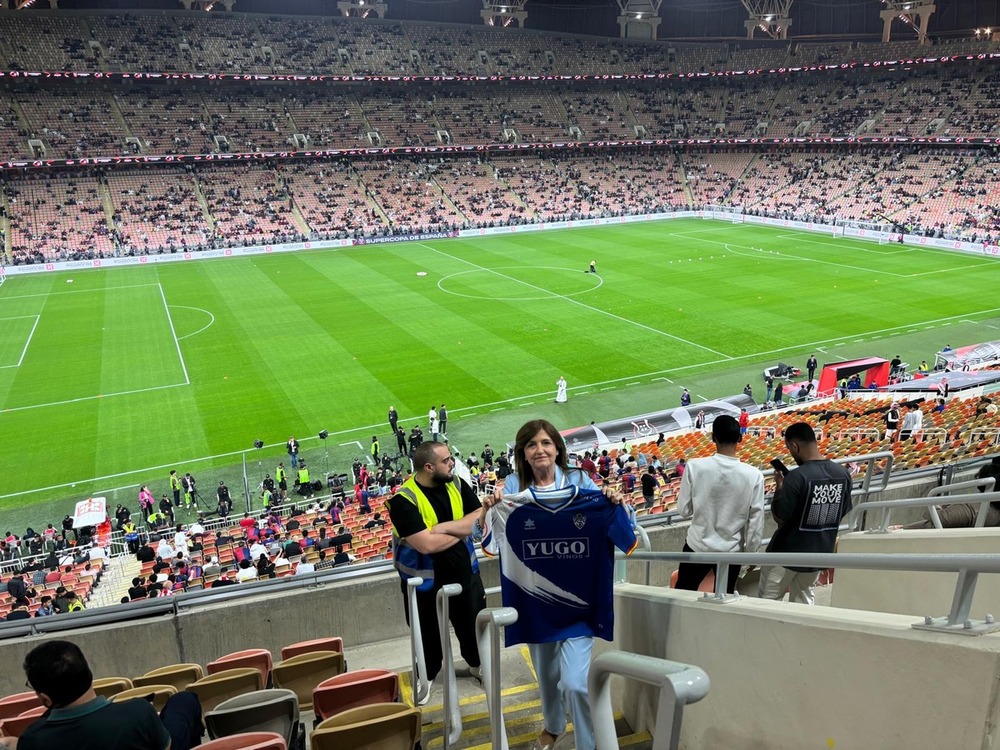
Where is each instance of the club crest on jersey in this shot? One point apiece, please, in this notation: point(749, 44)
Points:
point(529, 525)
point(579, 520)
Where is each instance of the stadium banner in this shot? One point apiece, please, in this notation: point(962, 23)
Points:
point(380, 240)
point(910, 61)
point(645, 428)
point(603, 221)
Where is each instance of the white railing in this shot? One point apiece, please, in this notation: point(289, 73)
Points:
point(680, 685)
point(488, 624)
point(968, 568)
point(452, 730)
point(418, 664)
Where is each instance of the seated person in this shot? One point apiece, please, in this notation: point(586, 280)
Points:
point(78, 718)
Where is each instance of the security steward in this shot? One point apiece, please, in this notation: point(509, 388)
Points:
point(433, 513)
point(302, 480)
point(281, 476)
point(375, 449)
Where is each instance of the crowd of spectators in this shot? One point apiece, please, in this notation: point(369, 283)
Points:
point(256, 44)
point(82, 215)
point(194, 119)
point(133, 211)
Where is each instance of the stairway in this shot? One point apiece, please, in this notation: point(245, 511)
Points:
point(521, 709)
point(116, 580)
point(203, 202)
point(5, 226)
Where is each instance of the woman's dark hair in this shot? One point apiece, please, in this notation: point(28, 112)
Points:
point(59, 670)
point(528, 431)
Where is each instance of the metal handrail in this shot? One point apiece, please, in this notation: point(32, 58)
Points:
point(680, 685)
point(418, 663)
point(937, 496)
point(488, 624)
point(967, 566)
point(452, 715)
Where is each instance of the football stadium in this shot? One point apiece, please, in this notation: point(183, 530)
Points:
point(522, 374)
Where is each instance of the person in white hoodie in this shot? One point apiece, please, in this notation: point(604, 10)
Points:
point(724, 498)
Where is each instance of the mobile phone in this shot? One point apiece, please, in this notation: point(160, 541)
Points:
point(779, 467)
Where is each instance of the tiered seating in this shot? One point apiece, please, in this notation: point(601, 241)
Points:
point(141, 43)
point(157, 209)
point(330, 197)
point(975, 200)
point(630, 184)
point(407, 196)
point(600, 116)
point(759, 58)
point(401, 120)
point(823, 53)
point(224, 44)
point(168, 121)
point(13, 136)
point(656, 110)
point(330, 122)
point(247, 204)
point(58, 217)
point(308, 47)
point(811, 185)
point(474, 189)
point(75, 581)
point(468, 117)
point(926, 98)
point(712, 176)
point(701, 58)
point(547, 187)
point(74, 125)
point(46, 42)
point(377, 50)
point(251, 121)
point(534, 114)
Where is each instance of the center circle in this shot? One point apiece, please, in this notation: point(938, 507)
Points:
point(536, 283)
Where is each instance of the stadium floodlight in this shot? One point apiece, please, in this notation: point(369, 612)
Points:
point(504, 13)
point(916, 15)
point(207, 5)
point(362, 8)
point(639, 19)
point(773, 17)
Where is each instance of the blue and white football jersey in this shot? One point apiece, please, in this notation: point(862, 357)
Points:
point(556, 552)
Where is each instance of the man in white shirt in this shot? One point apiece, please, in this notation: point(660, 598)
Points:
point(304, 567)
point(724, 498)
point(256, 550)
point(180, 539)
point(913, 422)
point(163, 550)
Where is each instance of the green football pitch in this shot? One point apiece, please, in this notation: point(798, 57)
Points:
point(110, 378)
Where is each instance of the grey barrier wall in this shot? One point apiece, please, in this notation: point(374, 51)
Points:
point(789, 676)
point(909, 593)
point(362, 611)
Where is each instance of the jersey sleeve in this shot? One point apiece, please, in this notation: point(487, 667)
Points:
point(620, 530)
point(494, 530)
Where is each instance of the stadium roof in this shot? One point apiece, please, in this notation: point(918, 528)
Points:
point(681, 19)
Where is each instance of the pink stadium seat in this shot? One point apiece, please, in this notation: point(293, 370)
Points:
point(358, 688)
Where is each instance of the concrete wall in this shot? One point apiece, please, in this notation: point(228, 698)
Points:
point(361, 612)
point(915, 593)
point(789, 676)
